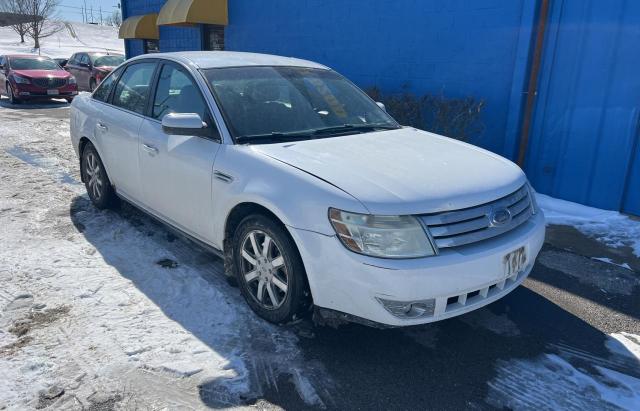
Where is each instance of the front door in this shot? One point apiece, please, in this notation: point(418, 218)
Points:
point(176, 171)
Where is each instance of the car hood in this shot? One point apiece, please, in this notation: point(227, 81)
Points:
point(404, 171)
point(42, 73)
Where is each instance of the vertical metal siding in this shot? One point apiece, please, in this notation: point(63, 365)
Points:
point(585, 126)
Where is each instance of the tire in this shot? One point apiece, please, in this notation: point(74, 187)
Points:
point(12, 97)
point(279, 266)
point(92, 84)
point(96, 179)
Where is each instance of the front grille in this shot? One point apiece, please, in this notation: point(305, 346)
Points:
point(470, 225)
point(49, 82)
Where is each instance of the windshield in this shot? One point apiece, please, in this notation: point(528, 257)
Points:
point(261, 104)
point(41, 63)
point(107, 60)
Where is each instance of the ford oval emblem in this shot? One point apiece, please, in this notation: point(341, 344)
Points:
point(500, 216)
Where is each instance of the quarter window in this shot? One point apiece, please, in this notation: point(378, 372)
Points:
point(177, 93)
point(132, 90)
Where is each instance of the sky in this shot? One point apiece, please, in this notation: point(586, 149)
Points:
point(71, 10)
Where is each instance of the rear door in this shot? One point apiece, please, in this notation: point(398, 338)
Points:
point(71, 66)
point(83, 70)
point(118, 124)
point(176, 171)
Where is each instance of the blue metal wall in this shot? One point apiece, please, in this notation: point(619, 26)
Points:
point(585, 133)
point(585, 125)
point(458, 48)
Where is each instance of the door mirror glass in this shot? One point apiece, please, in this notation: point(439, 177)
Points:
point(184, 124)
point(381, 105)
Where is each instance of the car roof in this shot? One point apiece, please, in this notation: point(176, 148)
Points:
point(104, 53)
point(217, 59)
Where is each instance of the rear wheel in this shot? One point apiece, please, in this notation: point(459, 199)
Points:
point(269, 269)
point(96, 179)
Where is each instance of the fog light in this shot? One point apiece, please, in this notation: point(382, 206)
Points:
point(409, 309)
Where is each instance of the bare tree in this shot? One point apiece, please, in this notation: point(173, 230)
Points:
point(16, 7)
point(43, 25)
point(115, 19)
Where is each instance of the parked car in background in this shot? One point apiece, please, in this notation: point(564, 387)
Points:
point(61, 61)
point(28, 77)
point(90, 68)
point(311, 192)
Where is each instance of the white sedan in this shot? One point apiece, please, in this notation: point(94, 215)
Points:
point(315, 197)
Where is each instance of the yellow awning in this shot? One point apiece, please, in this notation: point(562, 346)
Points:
point(140, 27)
point(187, 12)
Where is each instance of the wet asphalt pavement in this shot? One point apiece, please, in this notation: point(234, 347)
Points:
point(566, 308)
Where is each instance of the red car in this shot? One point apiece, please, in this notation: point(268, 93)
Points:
point(28, 77)
point(91, 67)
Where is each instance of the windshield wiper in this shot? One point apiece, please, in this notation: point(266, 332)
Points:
point(353, 127)
point(272, 137)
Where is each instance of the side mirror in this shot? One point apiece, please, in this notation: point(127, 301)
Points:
point(381, 105)
point(184, 124)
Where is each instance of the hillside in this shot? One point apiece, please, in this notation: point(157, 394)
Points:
point(74, 37)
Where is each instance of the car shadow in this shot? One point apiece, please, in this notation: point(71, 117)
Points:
point(445, 365)
point(615, 291)
point(36, 104)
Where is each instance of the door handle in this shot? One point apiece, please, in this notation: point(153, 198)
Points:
point(149, 149)
point(102, 127)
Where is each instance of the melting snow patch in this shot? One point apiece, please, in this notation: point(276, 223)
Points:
point(610, 227)
point(551, 382)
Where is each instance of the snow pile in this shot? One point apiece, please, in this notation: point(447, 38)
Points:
point(89, 314)
point(560, 381)
point(72, 38)
point(610, 227)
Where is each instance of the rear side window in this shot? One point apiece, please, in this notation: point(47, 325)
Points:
point(132, 89)
point(102, 92)
point(177, 93)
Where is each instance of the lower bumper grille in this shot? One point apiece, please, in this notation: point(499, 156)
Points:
point(470, 225)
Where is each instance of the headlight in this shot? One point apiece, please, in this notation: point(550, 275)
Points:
point(381, 236)
point(21, 80)
point(72, 80)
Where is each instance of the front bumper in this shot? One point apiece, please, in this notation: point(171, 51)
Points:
point(28, 91)
point(458, 280)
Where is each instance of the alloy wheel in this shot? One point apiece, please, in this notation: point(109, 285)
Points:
point(263, 270)
point(94, 174)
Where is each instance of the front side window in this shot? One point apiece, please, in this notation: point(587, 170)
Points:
point(132, 90)
point(102, 92)
point(261, 104)
point(84, 59)
point(40, 63)
point(177, 93)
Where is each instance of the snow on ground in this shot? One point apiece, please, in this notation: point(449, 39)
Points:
point(572, 380)
point(72, 38)
point(89, 317)
point(610, 227)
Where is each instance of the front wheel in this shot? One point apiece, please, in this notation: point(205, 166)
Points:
point(12, 96)
point(269, 269)
point(96, 179)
